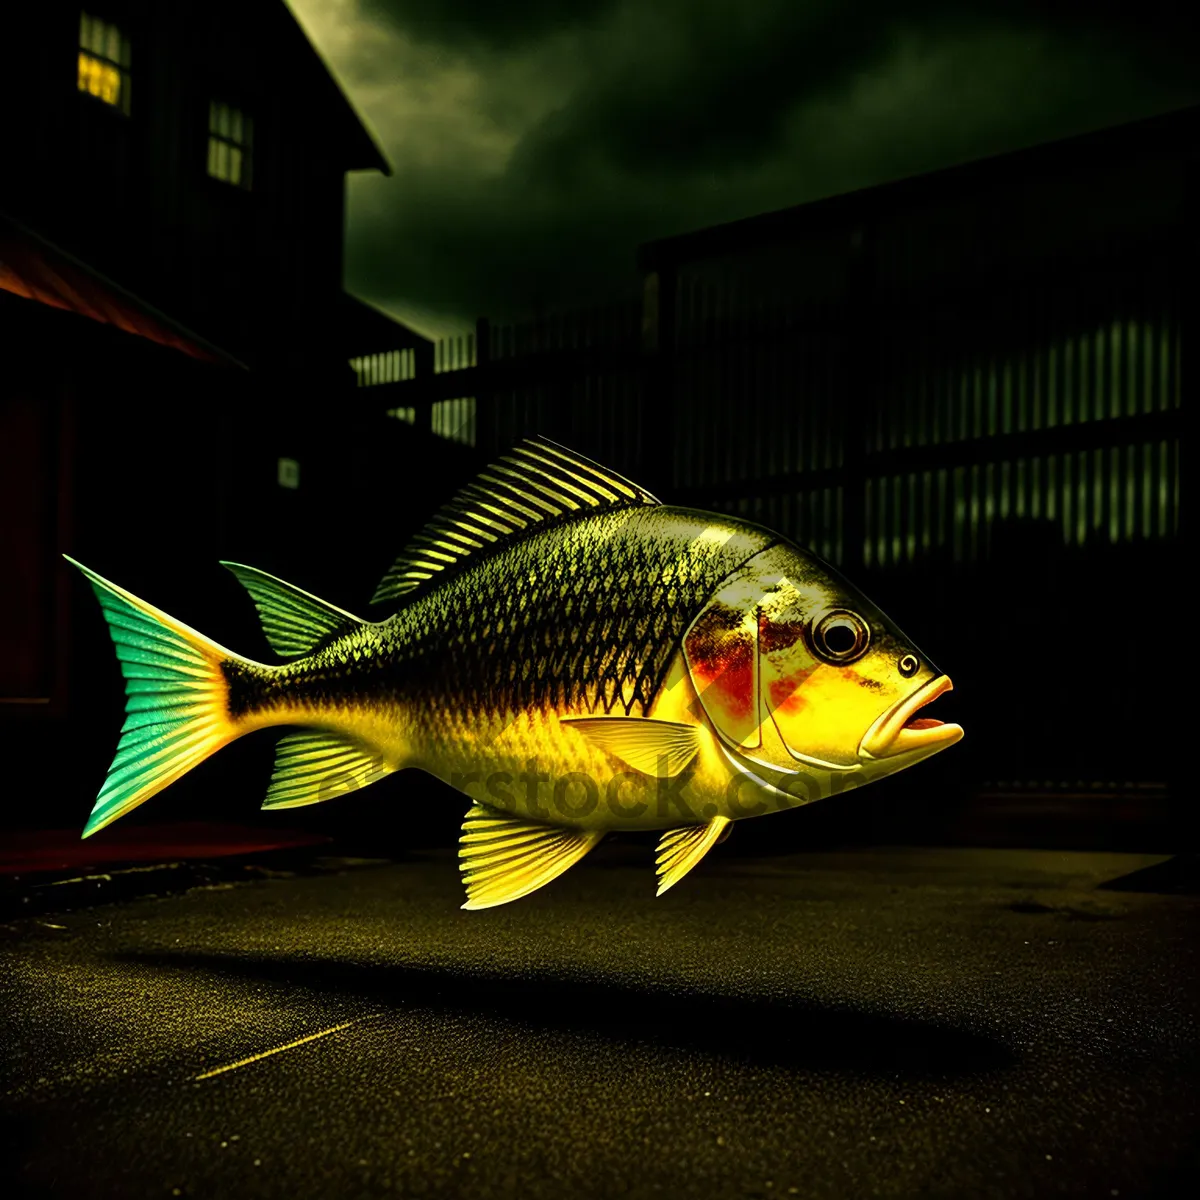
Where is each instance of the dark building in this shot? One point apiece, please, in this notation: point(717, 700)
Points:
point(92, 458)
point(175, 330)
point(195, 153)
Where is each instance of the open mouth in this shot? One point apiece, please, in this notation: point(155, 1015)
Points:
point(900, 730)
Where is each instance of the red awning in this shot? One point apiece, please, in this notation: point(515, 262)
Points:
point(33, 268)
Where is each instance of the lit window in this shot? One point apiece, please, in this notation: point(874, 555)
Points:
point(104, 62)
point(230, 143)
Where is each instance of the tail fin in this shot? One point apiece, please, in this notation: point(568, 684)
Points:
point(177, 701)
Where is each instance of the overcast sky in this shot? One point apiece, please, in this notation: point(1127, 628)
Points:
point(535, 143)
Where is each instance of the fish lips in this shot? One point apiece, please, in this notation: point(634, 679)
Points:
point(901, 731)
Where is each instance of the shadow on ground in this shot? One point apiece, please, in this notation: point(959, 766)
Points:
point(792, 1032)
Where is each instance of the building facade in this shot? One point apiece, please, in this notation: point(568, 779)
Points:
point(195, 153)
point(176, 335)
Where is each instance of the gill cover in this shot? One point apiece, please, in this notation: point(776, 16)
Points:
point(753, 667)
point(720, 649)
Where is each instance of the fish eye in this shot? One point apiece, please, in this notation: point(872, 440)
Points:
point(840, 636)
point(908, 664)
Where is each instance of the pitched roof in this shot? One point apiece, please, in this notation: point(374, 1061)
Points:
point(363, 152)
point(362, 328)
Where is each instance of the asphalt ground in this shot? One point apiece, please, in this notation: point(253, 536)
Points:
point(953, 1023)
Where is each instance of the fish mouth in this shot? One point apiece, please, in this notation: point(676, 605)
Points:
point(901, 731)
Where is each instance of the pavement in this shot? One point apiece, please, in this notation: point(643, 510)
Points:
point(890, 1022)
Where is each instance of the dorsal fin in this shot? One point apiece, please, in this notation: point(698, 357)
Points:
point(538, 482)
point(294, 621)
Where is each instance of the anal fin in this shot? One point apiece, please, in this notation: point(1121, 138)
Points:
point(679, 850)
point(317, 765)
point(503, 858)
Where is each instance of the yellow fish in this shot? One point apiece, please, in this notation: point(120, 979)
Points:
point(569, 653)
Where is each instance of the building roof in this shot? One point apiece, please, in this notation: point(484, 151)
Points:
point(1176, 132)
point(37, 270)
point(365, 329)
point(363, 152)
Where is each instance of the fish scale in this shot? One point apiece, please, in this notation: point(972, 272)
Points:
point(597, 614)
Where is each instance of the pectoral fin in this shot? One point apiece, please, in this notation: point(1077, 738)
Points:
point(656, 748)
point(681, 849)
point(503, 858)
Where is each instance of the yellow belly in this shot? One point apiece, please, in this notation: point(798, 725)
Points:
point(535, 766)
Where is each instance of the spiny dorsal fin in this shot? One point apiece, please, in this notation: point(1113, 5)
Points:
point(503, 858)
point(538, 481)
point(315, 765)
point(294, 621)
point(679, 850)
point(656, 748)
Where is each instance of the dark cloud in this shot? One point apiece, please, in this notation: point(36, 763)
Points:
point(491, 24)
point(535, 143)
point(713, 85)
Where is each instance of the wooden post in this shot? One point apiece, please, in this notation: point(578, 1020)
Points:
point(1180, 789)
point(861, 392)
point(658, 343)
point(485, 417)
point(423, 369)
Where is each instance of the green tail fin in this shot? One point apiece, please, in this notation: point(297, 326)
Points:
point(177, 706)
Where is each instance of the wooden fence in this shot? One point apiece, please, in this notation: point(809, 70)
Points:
point(986, 432)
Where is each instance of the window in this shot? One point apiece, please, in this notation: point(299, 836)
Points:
point(104, 62)
point(289, 473)
point(230, 143)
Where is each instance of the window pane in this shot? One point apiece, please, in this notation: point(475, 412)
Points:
point(92, 76)
point(112, 48)
point(235, 165)
point(223, 120)
point(103, 81)
point(96, 38)
point(248, 133)
point(85, 30)
point(235, 125)
point(212, 156)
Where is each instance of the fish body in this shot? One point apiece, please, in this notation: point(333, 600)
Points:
point(570, 654)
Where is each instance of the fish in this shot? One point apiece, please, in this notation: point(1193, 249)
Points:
point(567, 652)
